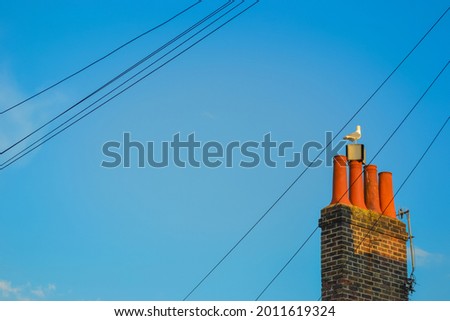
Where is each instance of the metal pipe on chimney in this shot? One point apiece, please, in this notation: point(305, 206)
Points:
point(371, 192)
point(386, 190)
point(356, 184)
point(340, 188)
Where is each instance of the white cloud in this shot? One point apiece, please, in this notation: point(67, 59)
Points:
point(41, 292)
point(7, 290)
point(22, 120)
point(17, 122)
point(26, 292)
point(38, 293)
point(425, 258)
point(209, 115)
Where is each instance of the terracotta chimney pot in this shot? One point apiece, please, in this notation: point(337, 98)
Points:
point(371, 191)
point(340, 188)
point(386, 190)
point(356, 184)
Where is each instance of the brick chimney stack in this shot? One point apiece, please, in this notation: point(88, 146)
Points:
point(363, 244)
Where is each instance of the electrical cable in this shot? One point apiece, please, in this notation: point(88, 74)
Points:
point(30, 148)
point(287, 263)
point(215, 12)
point(320, 153)
point(99, 59)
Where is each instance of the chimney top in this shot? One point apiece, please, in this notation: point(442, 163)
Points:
point(364, 189)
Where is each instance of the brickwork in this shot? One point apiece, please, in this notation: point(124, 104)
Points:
point(356, 267)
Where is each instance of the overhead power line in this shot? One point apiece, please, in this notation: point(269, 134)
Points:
point(123, 73)
point(287, 263)
point(281, 196)
point(351, 184)
point(99, 59)
point(49, 135)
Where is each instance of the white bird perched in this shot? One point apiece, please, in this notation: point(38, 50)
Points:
point(355, 135)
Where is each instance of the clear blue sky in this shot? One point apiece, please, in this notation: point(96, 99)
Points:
point(72, 230)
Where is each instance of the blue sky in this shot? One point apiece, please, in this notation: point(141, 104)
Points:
point(73, 230)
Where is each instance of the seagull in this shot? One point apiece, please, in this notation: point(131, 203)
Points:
point(355, 135)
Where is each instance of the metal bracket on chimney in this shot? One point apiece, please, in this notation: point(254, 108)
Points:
point(411, 281)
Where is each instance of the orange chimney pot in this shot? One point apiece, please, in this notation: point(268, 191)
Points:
point(386, 190)
point(356, 184)
point(371, 192)
point(340, 188)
